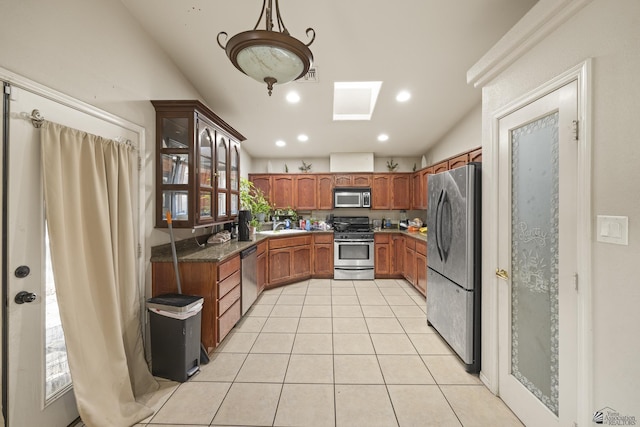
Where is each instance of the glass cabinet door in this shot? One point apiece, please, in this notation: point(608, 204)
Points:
point(174, 167)
point(234, 178)
point(205, 172)
point(222, 177)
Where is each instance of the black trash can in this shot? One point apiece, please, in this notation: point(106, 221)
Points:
point(175, 335)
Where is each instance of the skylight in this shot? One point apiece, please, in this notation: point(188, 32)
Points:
point(354, 100)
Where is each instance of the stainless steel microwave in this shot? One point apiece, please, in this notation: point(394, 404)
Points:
point(352, 198)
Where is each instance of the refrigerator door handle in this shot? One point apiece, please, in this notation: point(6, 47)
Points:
point(439, 224)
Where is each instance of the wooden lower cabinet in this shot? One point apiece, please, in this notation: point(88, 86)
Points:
point(410, 264)
point(228, 296)
point(289, 260)
point(217, 283)
point(421, 267)
point(323, 255)
point(196, 278)
point(397, 255)
point(382, 251)
point(262, 264)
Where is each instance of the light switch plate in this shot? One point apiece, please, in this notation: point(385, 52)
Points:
point(613, 229)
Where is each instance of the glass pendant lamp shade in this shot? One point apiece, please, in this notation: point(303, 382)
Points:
point(268, 56)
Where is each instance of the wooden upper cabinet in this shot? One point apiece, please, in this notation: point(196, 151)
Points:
point(262, 182)
point(400, 191)
point(476, 155)
point(391, 191)
point(361, 180)
point(458, 161)
point(417, 199)
point(352, 180)
point(424, 178)
point(194, 165)
point(305, 192)
point(282, 191)
point(440, 167)
point(324, 191)
point(380, 191)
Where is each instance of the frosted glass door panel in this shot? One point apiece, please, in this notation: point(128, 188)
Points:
point(534, 255)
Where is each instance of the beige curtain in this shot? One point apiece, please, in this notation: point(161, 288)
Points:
point(88, 199)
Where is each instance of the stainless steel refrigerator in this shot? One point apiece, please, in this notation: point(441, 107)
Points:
point(453, 260)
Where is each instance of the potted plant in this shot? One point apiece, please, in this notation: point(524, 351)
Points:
point(253, 225)
point(253, 199)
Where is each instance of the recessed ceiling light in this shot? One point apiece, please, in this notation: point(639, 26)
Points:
point(403, 96)
point(280, 143)
point(303, 138)
point(383, 137)
point(293, 97)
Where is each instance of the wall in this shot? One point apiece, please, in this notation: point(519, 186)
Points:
point(608, 32)
point(321, 164)
point(464, 136)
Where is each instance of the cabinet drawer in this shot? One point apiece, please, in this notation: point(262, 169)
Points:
point(323, 238)
point(382, 238)
point(410, 244)
point(229, 283)
point(421, 247)
point(228, 320)
point(228, 267)
point(262, 248)
point(287, 242)
point(227, 301)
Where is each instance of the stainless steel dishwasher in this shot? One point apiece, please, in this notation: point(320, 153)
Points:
point(249, 273)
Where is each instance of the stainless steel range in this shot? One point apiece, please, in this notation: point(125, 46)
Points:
point(353, 248)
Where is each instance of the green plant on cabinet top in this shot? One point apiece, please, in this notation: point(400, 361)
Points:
point(253, 199)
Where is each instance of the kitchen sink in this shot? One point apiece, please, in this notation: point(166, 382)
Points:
point(279, 232)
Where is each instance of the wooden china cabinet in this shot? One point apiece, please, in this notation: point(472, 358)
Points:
point(198, 165)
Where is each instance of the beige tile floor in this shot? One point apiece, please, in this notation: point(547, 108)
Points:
point(334, 353)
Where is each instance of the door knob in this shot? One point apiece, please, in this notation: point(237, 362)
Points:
point(24, 296)
point(502, 274)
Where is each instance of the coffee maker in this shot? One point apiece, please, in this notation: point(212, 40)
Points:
point(244, 217)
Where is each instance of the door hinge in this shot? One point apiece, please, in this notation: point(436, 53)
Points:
point(575, 281)
point(139, 163)
point(574, 129)
point(139, 250)
point(7, 90)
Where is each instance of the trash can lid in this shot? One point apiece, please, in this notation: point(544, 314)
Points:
point(174, 302)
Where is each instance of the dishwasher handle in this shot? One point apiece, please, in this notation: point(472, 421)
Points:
point(248, 252)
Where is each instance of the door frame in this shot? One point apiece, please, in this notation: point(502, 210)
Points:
point(18, 81)
point(490, 346)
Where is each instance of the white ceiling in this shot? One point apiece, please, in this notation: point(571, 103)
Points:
point(424, 46)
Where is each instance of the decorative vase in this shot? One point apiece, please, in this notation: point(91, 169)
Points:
point(260, 216)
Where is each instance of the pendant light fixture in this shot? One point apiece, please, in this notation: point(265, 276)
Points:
point(269, 56)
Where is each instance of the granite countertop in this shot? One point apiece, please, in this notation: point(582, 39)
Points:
point(189, 251)
point(416, 235)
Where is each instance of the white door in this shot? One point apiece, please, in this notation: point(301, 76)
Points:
point(537, 259)
point(39, 389)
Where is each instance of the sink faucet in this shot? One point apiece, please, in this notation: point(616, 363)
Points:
point(277, 224)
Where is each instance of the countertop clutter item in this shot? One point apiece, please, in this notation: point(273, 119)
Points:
point(175, 322)
point(220, 237)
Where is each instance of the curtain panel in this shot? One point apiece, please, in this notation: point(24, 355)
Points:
point(90, 215)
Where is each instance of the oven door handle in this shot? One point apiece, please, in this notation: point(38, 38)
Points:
point(353, 242)
point(353, 268)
